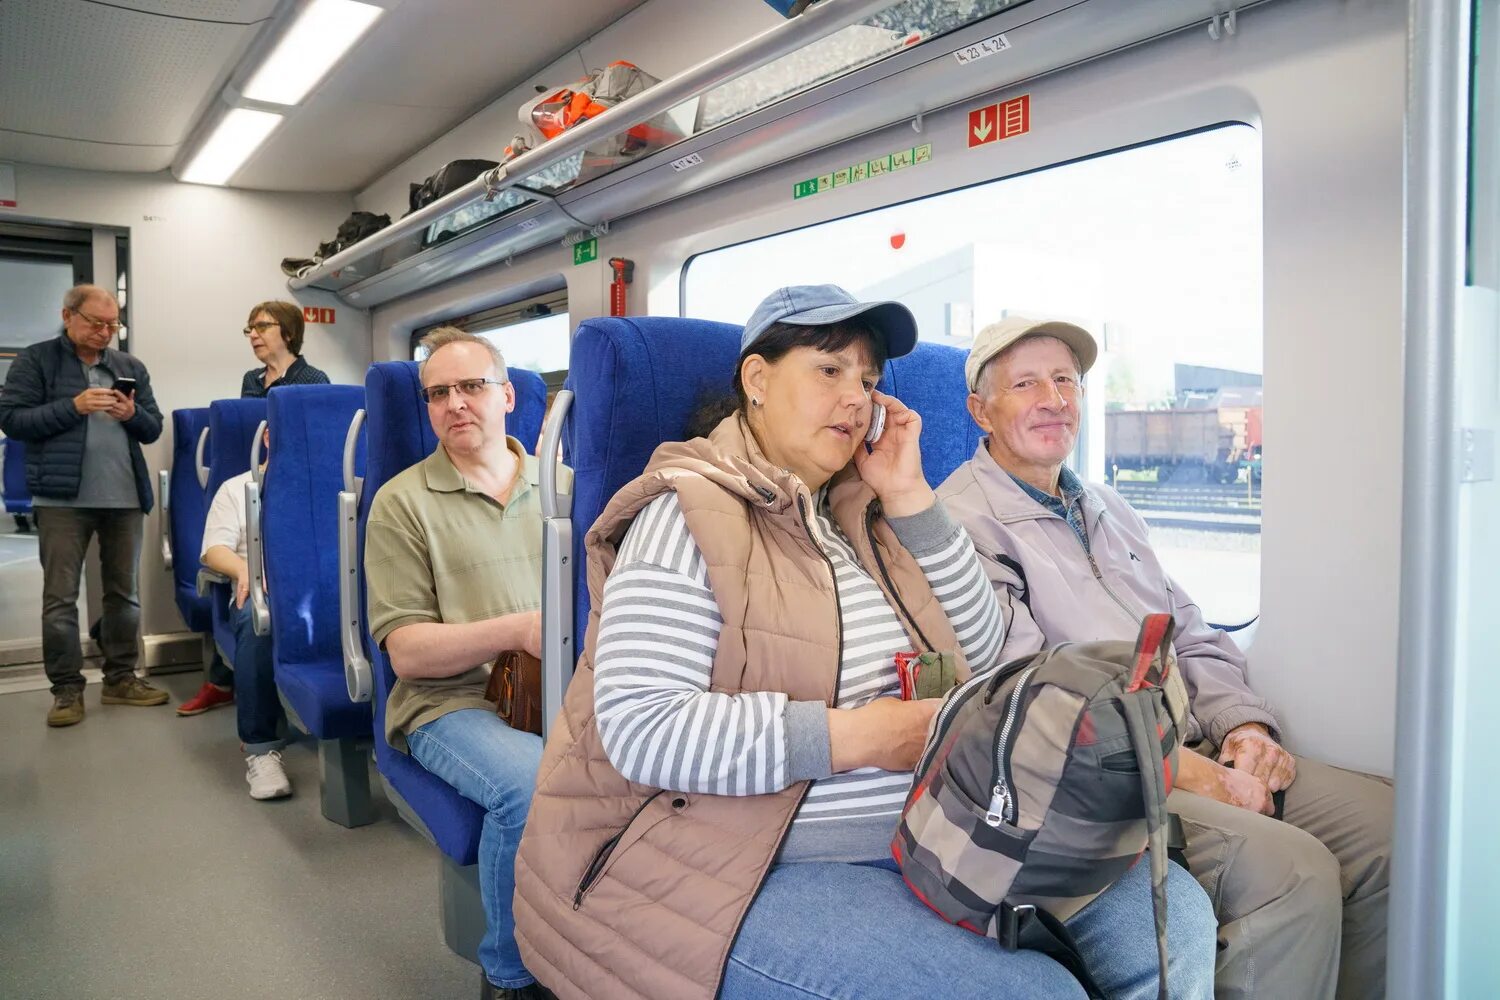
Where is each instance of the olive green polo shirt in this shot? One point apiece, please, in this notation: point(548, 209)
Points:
point(438, 549)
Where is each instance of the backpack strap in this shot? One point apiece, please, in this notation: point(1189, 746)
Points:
point(1151, 650)
point(1035, 929)
point(1140, 719)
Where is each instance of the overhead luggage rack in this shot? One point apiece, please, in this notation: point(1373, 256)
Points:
point(715, 117)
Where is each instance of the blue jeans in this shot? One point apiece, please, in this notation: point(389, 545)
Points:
point(495, 766)
point(844, 930)
point(257, 707)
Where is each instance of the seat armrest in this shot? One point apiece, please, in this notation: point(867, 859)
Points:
point(163, 517)
point(357, 674)
point(557, 568)
point(260, 606)
point(208, 579)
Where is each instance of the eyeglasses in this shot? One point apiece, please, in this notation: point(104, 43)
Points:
point(112, 326)
point(260, 327)
point(466, 387)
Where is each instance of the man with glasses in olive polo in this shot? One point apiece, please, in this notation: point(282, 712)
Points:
point(84, 409)
point(453, 566)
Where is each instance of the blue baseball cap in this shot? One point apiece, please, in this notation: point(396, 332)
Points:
point(824, 305)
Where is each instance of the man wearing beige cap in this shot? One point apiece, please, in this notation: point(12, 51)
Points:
point(1294, 853)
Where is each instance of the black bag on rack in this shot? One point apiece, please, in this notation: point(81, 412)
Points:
point(448, 178)
point(353, 229)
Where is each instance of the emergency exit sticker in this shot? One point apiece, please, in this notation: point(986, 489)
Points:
point(586, 251)
point(994, 122)
point(316, 314)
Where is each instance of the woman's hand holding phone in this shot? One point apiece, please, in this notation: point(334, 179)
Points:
point(892, 465)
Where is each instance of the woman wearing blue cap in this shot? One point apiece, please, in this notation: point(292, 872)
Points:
point(714, 813)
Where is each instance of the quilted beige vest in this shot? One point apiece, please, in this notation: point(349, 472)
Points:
point(626, 891)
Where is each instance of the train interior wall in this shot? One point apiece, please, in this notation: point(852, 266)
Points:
point(200, 257)
point(1316, 80)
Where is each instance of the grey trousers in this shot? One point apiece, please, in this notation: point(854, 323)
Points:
point(1301, 901)
point(63, 539)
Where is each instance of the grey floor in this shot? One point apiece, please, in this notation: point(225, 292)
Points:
point(134, 864)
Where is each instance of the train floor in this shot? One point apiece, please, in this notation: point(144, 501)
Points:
point(134, 864)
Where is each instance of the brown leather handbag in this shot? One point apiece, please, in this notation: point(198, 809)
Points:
point(516, 689)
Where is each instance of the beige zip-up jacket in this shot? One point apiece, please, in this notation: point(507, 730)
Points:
point(1053, 590)
point(626, 891)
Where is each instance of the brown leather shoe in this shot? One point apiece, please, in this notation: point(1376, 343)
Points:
point(67, 708)
point(132, 691)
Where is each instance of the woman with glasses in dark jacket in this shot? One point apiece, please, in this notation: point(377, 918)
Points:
point(275, 330)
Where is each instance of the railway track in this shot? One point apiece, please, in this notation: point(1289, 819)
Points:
point(1228, 498)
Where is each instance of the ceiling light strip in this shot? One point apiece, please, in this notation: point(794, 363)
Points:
point(239, 133)
point(322, 33)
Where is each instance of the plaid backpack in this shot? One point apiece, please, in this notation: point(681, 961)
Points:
point(1041, 784)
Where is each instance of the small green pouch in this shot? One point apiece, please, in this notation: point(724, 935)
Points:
point(937, 676)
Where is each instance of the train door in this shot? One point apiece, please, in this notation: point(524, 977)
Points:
point(38, 264)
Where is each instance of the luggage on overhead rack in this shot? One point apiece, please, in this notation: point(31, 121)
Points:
point(551, 114)
point(353, 229)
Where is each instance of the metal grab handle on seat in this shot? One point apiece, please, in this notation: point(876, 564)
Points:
point(557, 568)
point(357, 674)
point(260, 431)
point(198, 465)
point(260, 608)
point(163, 480)
point(352, 483)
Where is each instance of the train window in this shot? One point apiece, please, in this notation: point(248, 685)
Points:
point(1157, 250)
point(532, 334)
point(32, 289)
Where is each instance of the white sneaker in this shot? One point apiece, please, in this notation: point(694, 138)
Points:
point(267, 776)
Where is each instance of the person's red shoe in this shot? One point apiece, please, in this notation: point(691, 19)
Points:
point(207, 697)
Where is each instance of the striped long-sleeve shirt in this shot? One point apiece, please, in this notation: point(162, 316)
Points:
point(662, 726)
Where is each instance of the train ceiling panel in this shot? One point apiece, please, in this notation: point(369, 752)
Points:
point(120, 86)
point(108, 88)
point(425, 66)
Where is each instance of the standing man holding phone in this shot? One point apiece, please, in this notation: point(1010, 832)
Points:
point(84, 409)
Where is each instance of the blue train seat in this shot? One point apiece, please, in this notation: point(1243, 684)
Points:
point(17, 494)
point(930, 380)
point(231, 431)
point(185, 506)
point(299, 529)
point(637, 380)
point(399, 435)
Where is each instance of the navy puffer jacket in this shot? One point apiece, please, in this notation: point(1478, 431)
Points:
point(36, 406)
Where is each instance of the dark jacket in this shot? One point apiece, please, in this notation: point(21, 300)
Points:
point(298, 373)
point(36, 406)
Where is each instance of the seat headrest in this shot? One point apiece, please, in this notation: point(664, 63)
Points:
point(232, 424)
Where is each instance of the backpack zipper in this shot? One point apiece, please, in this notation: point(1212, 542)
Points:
point(1002, 799)
point(951, 705)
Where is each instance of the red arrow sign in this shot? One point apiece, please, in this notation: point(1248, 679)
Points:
point(982, 126)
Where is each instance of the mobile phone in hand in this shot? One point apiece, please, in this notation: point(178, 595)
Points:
point(125, 386)
point(877, 423)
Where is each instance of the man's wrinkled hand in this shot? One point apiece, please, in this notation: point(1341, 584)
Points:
point(94, 401)
point(1250, 748)
point(1202, 776)
point(123, 407)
